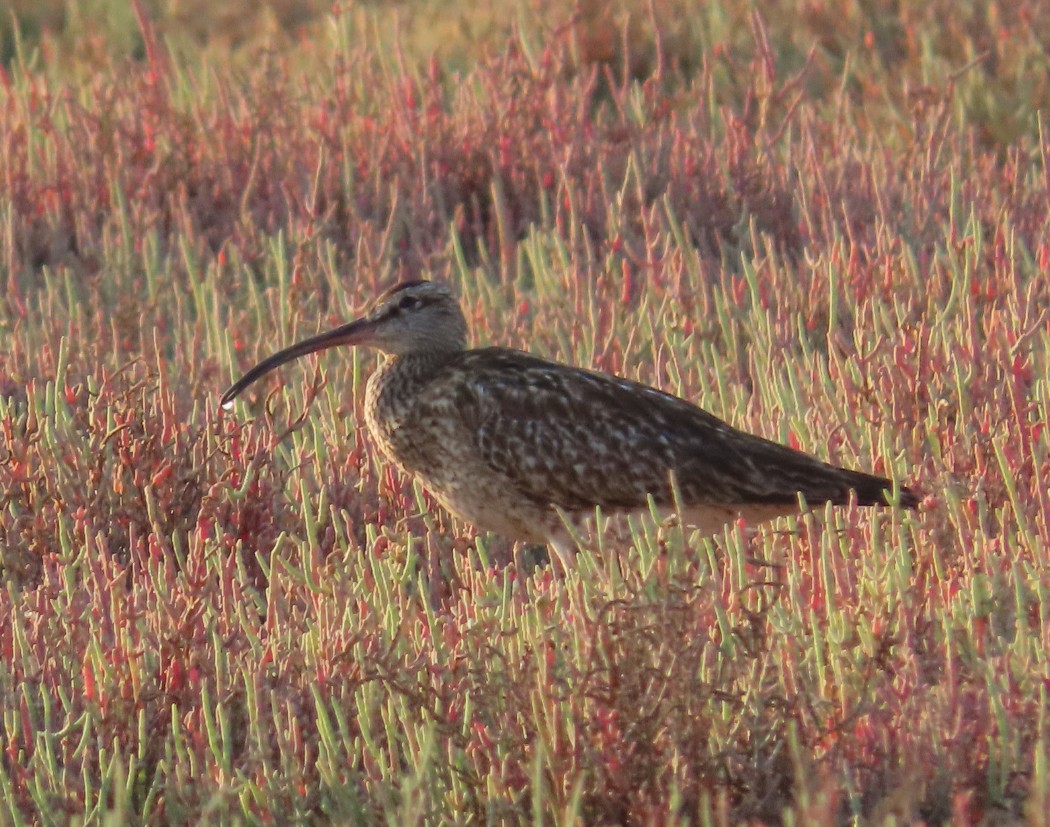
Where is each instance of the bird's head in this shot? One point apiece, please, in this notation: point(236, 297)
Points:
point(413, 317)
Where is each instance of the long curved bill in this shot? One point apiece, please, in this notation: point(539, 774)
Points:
point(351, 333)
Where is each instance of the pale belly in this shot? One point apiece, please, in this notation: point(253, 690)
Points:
point(475, 495)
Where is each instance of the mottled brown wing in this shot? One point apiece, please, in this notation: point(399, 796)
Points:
point(578, 439)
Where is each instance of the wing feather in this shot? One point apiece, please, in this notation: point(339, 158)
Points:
point(578, 439)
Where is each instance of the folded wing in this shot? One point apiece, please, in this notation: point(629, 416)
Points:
point(578, 439)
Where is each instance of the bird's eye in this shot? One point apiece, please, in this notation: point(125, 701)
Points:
point(409, 303)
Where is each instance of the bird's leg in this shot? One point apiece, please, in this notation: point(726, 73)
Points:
point(529, 558)
point(437, 584)
point(526, 557)
point(564, 539)
point(521, 566)
point(524, 563)
point(564, 551)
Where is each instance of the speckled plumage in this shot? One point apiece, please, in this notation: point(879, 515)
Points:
point(505, 440)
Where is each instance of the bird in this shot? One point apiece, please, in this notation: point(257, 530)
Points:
point(529, 448)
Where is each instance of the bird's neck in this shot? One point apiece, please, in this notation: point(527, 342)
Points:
point(398, 379)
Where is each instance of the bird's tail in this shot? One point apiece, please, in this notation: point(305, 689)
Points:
point(872, 490)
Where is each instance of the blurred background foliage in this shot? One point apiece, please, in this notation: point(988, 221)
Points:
point(990, 58)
